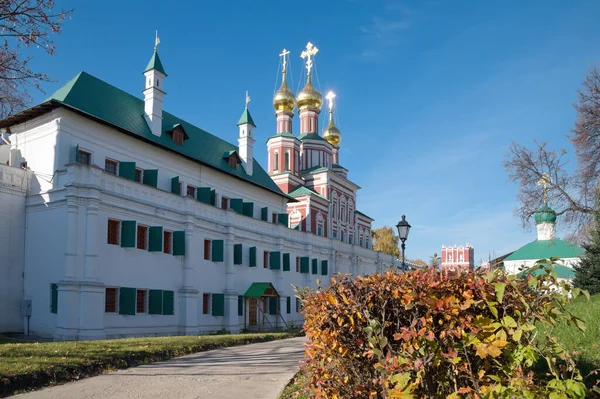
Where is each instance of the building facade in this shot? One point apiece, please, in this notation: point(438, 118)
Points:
point(120, 219)
point(546, 246)
point(458, 257)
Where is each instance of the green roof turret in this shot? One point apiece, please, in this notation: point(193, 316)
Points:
point(545, 215)
point(155, 63)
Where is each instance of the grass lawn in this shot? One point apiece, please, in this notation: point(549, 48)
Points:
point(27, 366)
point(585, 346)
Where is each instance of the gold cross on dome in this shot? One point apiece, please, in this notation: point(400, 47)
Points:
point(309, 53)
point(544, 181)
point(284, 54)
point(330, 96)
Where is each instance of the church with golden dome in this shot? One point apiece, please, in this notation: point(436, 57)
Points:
point(307, 166)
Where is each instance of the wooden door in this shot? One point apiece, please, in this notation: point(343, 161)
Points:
point(252, 319)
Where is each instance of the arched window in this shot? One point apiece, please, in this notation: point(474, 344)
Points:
point(276, 162)
point(287, 161)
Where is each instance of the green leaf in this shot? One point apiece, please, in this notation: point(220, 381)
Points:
point(586, 294)
point(517, 335)
point(383, 342)
point(579, 323)
point(509, 322)
point(500, 287)
point(492, 309)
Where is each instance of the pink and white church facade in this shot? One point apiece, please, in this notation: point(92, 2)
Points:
point(461, 257)
point(307, 166)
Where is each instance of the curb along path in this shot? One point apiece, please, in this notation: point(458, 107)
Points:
point(255, 371)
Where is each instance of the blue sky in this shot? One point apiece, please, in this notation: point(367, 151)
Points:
point(429, 93)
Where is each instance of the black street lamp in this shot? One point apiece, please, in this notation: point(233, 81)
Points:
point(403, 229)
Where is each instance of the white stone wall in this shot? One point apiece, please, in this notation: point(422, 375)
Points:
point(66, 236)
point(515, 266)
point(14, 184)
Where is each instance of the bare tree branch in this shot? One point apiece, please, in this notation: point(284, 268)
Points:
point(24, 23)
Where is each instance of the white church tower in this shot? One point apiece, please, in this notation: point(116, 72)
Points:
point(153, 93)
point(246, 139)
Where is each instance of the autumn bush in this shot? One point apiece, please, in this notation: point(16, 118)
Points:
point(433, 334)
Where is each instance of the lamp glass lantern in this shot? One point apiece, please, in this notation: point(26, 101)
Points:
point(403, 229)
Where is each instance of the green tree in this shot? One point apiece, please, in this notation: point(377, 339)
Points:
point(435, 260)
point(587, 273)
point(386, 241)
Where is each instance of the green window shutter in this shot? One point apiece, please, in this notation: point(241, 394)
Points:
point(315, 266)
point(273, 305)
point(203, 194)
point(127, 301)
point(249, 209)
point(264, 214)
point(252, 257)
point(156, 239)
point(213, 197)
point(240, 305)
point(218, 304)
point(288, 305)
point(53, 298)
point(128, 230)
point(150, 177)
point(127, 170)
point(155, 302)
point(74, 155)
point(168, 303)
point(179, 243)
point(217, 250)
point(282, 218)
point(237, 205)
point(286, 262)
point(304, 262)
point(324, 268)
point(237, 254)
point(175, 185)
point(275, 260)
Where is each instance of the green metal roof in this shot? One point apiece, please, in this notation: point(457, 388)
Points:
point(335, 165)
point(246, 118)
point(257, 290)
point(155, 64)
point(561, 271)
point(303, 190)
point(544, 249)
point(362, 214)
point(107, 104)
point(311, 136)
point(282, 134)
point(314, 169)
point(545, 215)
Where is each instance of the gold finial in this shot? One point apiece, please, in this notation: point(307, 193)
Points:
point(544, 181)
point(247, 98)
point(156, 41)
point(330, 96)
point(332, 134)
point(283, 55)
point(309, 53)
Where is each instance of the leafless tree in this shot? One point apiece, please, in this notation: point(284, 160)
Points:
point(573, 190)
point(24, 23)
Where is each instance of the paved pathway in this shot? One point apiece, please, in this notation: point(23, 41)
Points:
point(256, 371)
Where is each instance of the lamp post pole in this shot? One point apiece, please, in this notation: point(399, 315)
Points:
point(403, 229)
point(403, 262)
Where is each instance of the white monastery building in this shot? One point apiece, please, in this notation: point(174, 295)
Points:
point(118, 218)
point(546, 246)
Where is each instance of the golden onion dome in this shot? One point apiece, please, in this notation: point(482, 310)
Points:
point(309, 97)
point(332, 134)
point(284, 99)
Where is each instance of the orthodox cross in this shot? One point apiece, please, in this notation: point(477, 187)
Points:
point(156, 41)
point(283, 54)
point(309, 53)
point(544, 181)
point(247, 98)
point(330, 96)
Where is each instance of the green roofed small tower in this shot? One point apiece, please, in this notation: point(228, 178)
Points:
point(154, 93)
point(246, 139)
